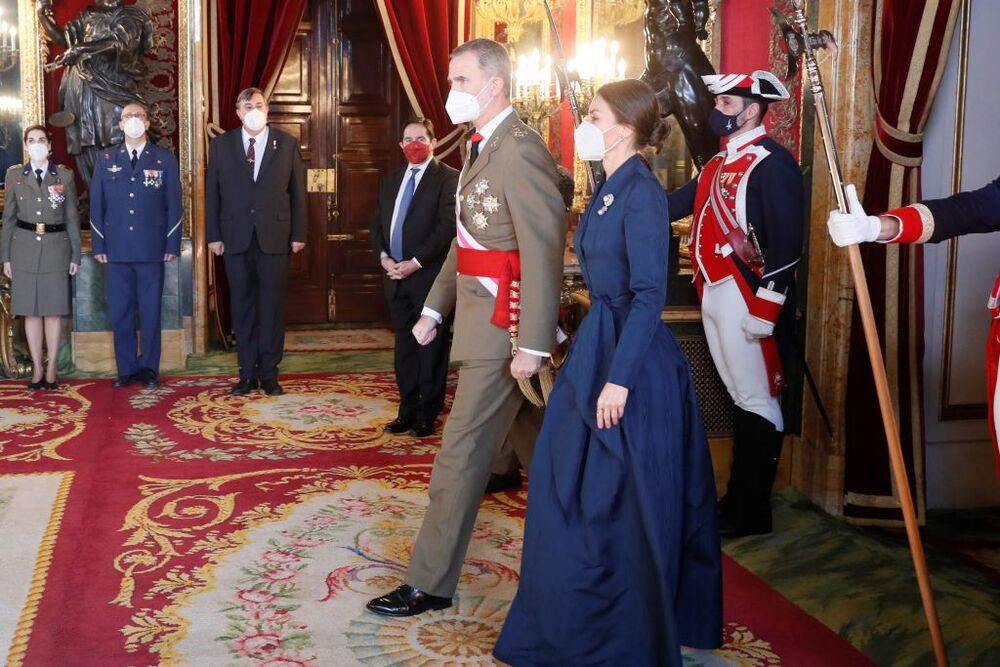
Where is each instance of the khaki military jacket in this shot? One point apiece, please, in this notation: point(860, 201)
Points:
point(509, 200)
point(52, 203)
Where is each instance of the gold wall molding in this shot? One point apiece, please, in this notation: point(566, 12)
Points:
point(818, 464)
point(948, 411)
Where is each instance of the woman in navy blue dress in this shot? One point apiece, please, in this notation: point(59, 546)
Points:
point(621, 562)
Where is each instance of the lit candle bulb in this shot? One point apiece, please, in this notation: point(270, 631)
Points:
point(621, 68)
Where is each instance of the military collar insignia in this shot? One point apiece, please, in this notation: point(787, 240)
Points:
point(519, 132)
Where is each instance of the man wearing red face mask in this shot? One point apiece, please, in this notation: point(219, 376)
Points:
point(411, 231)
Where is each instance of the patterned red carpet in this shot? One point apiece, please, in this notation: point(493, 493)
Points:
point(182, 526)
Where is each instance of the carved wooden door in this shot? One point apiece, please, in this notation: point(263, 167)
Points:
point(340, 94)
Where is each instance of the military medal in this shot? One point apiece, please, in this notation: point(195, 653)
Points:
point(114, 169)
point(479, 220)
point(56, 196)
point(482, 186)
point(153, 178)
point(491, 204)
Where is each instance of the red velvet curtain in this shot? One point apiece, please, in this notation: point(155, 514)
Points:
point(250, 42)
point(910, 47)
point(421, 35)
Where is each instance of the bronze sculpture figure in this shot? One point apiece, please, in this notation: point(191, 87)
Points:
point(674, 67)
point(106, 45)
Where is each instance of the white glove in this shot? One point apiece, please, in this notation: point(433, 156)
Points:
point(854, 227)
point(755, 328)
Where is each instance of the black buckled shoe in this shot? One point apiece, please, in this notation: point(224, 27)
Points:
point(501, 483)
point(399, 425)
point(271, 387)
point(243, 387)
point(407, 601)
point(123, 381)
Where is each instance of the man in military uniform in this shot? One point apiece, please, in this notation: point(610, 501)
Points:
point(135, 223)
point(931, 221)
point(746, 240)
point(507, 258)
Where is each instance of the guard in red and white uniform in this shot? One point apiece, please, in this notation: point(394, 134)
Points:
point(746, 240)
point(974, 212)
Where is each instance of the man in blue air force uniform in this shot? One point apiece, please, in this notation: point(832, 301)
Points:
point(135, 222)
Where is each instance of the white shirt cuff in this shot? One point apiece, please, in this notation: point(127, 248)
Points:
point(417, 262)
point(430, 312)
point(534, 352)
point(383, 254)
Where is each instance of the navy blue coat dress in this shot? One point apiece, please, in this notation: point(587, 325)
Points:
point(621, 561)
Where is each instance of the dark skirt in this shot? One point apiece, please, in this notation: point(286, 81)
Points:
point(621, 561)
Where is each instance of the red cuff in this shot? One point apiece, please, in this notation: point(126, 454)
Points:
point(916, 223)
point(766, 305)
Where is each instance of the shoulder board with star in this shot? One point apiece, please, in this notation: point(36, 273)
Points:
point(520, 131)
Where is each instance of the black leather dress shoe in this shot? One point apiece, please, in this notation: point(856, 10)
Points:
point(423, 429)
point(243, 387)
point(407, 601)
point(500, 483)
point(35, 386)
point(123, 381)
point(149, 378)
point(51, 385)
point(271, 387)
point(400, 425)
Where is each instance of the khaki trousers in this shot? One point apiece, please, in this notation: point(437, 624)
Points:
point(488, 407)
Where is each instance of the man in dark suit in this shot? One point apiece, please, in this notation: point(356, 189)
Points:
point(255, 212)
point(411, 231)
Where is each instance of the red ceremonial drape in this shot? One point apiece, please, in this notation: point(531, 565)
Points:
point(910, 47)
point(250, 43)
point(421, 35)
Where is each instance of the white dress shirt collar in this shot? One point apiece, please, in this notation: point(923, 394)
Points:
point(486, 131)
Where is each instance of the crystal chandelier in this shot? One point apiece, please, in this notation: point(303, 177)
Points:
point(515, 14)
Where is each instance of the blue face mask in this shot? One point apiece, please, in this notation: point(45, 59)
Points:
point(724, 124)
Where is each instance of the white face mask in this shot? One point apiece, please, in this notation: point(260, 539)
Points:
point(255, 120)
point(134, 128)
point(464, 107)
point(589, 141)
point(38, 152)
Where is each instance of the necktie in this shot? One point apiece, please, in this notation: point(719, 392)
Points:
point(38, 176)
point(135, 157)
point(476, 138)
point(251, 153)
point(396, 237)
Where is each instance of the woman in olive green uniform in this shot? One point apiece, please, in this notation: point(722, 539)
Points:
point(40, 249)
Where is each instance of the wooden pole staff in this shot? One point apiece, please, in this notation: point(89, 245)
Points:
point(873, 343)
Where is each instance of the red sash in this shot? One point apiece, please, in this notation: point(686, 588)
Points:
point(504, 266)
